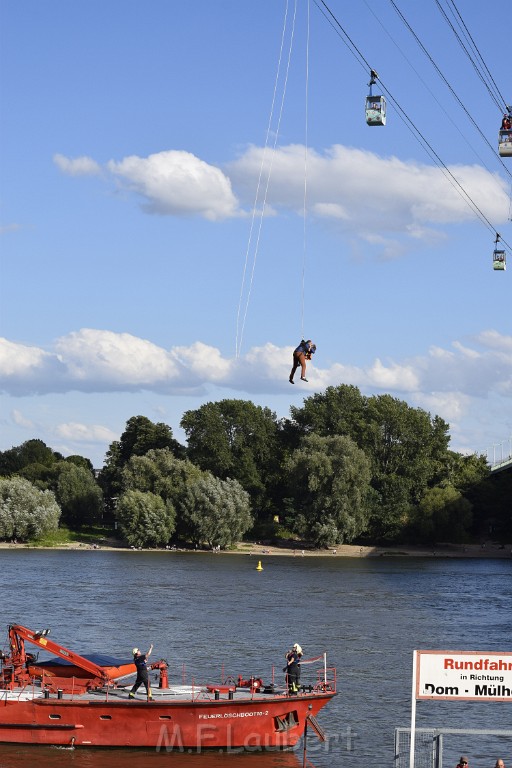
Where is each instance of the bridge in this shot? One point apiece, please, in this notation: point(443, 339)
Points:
point(499, 455)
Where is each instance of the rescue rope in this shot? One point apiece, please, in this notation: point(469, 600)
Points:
point(304, 251)
point(240, 323)
point(311, 661)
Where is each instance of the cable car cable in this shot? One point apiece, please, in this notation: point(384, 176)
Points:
point(455, 125)
point(410, 124)
point(496, 100)
point(443, 167)
point(505, 135)
point(452, 91)
point(485, 80)
point(497, 96)
point(476, 49)
point(337, 27)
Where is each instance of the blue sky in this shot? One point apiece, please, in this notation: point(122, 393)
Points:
point(135, 138)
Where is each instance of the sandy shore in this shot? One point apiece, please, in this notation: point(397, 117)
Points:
point(254, 549)
point(489, 550)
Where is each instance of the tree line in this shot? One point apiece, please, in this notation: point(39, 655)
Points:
point(343, 468)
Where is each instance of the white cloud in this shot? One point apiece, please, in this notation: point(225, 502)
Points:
point(28, 370)
point(462, 384)
point(178, 183)
point(259, 368)
point(78, 166)
point(393, 377)
point(204, 362)
point(331, 211)
point(452, 405)
point(115, 361)
point(19, 419)
point(495, 341)
point(409, 201)
point(85, 433)
point(17, 359)
point(103, 361)
point(5, 228)
point(343, 184)
point(466, 351)
point(440, 353)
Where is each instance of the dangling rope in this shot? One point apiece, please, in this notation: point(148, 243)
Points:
point(239, 333)
point(304, 251)
point(240, 325)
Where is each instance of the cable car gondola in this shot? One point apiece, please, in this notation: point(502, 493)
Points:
point(505, 143)
point(505, 135)
point(499, 257)
point(375, 105)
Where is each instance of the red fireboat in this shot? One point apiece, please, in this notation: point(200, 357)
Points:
point(75, 700)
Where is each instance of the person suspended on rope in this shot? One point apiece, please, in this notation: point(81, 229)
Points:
point(303, 352)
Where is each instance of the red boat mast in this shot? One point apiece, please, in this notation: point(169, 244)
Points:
point(19, 668)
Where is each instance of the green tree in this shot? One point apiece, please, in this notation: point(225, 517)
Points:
point(464, 472)
point(235, 439)
point(25, 511)
point(145, 519)
point(81, 461)
point(407, 448)
point(110, 477)
point(78, 494)
point(490, 493)
point(41, 475)
point(140, 436)
point(330, 484)
point(216, 512)
point(30, 452)
point(443, 515)
point(493, 499)
point(160, 472)
point(337, 411)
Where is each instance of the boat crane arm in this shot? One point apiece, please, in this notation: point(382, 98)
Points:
point(18, 634)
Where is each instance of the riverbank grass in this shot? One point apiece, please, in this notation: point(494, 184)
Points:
point(64, 536)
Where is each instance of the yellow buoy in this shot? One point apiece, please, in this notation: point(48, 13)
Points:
point(259, 567)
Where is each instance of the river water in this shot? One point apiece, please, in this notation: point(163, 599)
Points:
point(216, 615)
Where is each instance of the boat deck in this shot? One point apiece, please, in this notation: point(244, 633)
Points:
point(175, 693)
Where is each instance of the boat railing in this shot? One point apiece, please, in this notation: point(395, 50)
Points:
point(26, 692)
point(315, 679)
point(21, 694)
point(326, 680)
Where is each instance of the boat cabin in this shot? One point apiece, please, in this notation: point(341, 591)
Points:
point(499, 260)
point(375, 110)
point(505, 143)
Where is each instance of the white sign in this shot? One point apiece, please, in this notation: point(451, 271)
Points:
point(463, 676)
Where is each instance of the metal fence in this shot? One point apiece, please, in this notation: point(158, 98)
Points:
point(426, 748)
point(433, 745)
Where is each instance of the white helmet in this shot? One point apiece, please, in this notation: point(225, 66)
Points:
point(135, 651)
